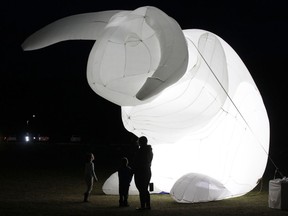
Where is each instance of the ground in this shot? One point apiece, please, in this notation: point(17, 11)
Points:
point(47, 179)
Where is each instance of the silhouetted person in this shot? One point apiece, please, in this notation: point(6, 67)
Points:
point(125, 176)
point(142, 171)
point(90, 175)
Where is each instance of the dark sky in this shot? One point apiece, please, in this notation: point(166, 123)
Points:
point(51, 82)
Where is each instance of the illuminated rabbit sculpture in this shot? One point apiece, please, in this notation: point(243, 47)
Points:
point(187, 91)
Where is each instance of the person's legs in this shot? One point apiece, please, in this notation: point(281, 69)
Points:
point(125, 195)
point(146, 192)
point(121, 200)
point(121, 196)
point(138, 178)
point(89, 183)
point(142, 181)
point(147, 200)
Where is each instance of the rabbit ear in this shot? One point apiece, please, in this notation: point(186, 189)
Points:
point(174, 54)
point(86, 26)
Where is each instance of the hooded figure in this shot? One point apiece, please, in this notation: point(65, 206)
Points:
point(142, 171)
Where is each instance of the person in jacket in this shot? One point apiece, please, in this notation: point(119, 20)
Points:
point(142, 171)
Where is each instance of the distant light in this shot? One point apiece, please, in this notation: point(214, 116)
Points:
point(27, 138)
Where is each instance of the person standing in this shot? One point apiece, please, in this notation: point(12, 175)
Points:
point(90, 175)
point(125, 176)
point(142, 172)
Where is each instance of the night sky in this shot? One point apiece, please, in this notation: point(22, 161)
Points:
point(51, 83)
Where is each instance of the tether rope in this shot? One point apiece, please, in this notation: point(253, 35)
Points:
point(234, 105)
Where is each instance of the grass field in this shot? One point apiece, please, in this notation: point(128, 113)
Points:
point(47, 179)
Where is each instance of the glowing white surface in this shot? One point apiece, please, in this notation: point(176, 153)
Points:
point(188, 92)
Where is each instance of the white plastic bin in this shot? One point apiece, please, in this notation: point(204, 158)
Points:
point(278, 194)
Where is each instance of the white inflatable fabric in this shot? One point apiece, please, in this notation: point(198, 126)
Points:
point(204, 189)
point(212, 121)
point(187, 91)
